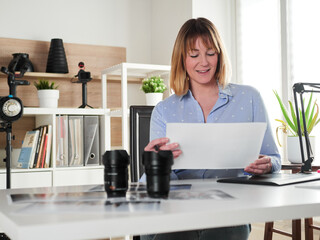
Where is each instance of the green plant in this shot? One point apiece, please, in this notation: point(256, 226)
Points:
point(290, 123)
point(153, 85)
point(44, 84)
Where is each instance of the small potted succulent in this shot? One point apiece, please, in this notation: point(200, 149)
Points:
point(48, 93)
point(153, 87)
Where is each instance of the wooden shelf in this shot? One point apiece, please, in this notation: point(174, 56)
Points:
point(68, 76)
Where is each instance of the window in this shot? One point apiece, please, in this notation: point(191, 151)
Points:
point(258, 50)
point(304, 48)
point(267, 29)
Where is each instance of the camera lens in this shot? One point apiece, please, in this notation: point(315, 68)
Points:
point(116, 172)
point(158, 169)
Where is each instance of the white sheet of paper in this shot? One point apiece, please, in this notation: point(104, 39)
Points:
point(216, 145)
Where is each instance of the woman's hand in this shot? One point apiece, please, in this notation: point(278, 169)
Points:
point(260, 166)
point(162, 144)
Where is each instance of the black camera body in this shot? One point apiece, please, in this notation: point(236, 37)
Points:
point(84, 76)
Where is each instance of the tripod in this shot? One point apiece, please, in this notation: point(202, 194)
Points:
point(11, 109)
point(84, 95)
point(7, 127)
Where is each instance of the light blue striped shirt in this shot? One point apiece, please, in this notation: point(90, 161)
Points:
point(236, 103)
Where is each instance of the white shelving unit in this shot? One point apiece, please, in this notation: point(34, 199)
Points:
point(127, 70)
point(60, 176)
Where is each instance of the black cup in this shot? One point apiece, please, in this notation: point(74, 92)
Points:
point(116, 172)
point(158, 168)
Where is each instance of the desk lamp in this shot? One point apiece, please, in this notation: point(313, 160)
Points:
point(299, 88)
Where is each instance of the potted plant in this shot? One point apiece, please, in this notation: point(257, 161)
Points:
point(48, 93)
point(290, 126)
point(153, 87)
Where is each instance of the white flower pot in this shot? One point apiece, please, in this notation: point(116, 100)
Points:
point(153, 98)
point(293, 148)
point(48, 98)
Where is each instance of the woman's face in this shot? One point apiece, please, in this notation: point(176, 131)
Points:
point(201, 63)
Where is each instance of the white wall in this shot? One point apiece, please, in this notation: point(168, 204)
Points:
point(167, 18)
point(147, 29)
point(124, 23)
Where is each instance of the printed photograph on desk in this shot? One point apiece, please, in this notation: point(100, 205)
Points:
point(132, 205)
point(114, 206)
point(210, 194)
point(62, 207)
point(57, 197)
point(143, 187)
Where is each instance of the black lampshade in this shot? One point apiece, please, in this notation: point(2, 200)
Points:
point(57, 60)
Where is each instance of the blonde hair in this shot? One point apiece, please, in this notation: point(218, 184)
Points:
point(187, 36)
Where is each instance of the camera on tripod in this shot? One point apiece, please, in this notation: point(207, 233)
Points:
point(83, 76)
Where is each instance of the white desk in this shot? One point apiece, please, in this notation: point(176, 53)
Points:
point(251, 203)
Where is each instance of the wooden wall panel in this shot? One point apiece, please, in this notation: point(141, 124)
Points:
point(116, 133)
point(96, 58)
point(19, 129)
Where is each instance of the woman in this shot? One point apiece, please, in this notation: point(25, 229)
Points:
point(199, 78)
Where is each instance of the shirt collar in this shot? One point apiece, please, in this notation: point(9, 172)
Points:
point(223, 92)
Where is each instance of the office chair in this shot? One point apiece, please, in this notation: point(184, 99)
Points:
point(139, 138)
point(296, 223)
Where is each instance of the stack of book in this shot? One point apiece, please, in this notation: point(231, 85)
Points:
point(36, 148)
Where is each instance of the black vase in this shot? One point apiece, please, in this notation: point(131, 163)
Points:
point(57, 60)
point(20, 62)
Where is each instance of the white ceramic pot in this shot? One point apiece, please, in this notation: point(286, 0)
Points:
point(293, 148)
point(48, 98)
point(153, 98)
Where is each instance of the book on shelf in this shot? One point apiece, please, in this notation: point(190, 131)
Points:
point(34, 161)
point(43, 153)
point(62, 141)
point(43, 147)
point(49, 146)
point(40, 153)
point(28, 149)
point(91, 140)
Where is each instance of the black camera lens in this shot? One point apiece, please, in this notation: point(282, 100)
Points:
point(158, 168)
point(116, 172)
